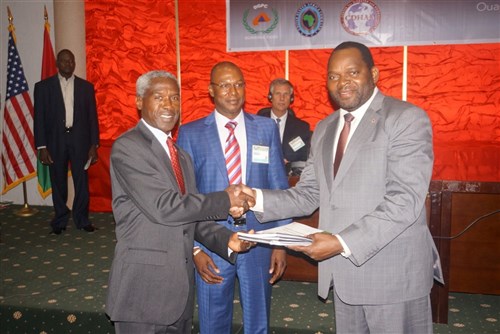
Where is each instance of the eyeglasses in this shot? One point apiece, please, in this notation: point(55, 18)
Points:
point(226, 86)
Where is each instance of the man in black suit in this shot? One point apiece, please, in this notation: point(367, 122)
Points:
point(67, 132)
point(295, 134)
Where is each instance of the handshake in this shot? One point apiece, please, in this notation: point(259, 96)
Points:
point(242, 198)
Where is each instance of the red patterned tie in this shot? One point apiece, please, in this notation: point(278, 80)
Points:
point(232, 154)
point(342, 142)
point(174, 158)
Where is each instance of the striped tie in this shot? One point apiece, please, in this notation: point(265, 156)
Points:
point(232, 154)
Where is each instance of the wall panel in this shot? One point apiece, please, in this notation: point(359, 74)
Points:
point(458, 85)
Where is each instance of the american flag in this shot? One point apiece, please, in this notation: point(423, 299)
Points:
point(18, 149)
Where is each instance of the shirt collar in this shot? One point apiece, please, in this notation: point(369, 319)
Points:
point(61, 78)
point(160, 135)
point(282, 118)
point(221, 119)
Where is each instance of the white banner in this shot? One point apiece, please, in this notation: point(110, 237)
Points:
point(295, 25)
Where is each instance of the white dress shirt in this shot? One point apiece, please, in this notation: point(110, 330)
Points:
point(281, 124)
point(68, 93)
point(240, 134)
point(159, 135)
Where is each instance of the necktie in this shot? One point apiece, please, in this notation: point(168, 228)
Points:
point(232, 154)
point(342, 142)
point(278, 122)
point(174, 158)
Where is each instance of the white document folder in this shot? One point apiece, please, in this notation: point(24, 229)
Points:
point(293, 234)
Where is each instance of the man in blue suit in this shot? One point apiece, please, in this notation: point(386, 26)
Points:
point(66, 131)
point(261, 166)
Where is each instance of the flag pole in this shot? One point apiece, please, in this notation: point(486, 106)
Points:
point(26, 210)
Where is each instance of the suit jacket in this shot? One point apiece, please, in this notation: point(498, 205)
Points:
point(201, 140)
point(50, 115)
point(153, 271)
point(294, 127)
point(376, 204)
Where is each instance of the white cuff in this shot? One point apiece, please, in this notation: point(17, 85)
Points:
point(196, 250)
point(347, 252)
point(259, 201)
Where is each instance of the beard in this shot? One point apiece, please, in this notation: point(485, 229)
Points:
point(356, 100)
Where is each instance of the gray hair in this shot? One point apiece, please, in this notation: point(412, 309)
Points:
point(279, 82)
point(144, 81)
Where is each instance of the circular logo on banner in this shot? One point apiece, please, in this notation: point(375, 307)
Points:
point(309, 19)
point(360, 17)
point(260, 19)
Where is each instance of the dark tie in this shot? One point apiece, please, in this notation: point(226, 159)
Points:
point(232, 155)
point(342, 142)
point(174, 158)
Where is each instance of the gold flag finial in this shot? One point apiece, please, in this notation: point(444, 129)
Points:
point(11, 24)
point(9, 15)
point(46, 17)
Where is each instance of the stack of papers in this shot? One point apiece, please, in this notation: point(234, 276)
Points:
point(293, 234)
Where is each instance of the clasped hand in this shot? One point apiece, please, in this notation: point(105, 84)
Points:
point(241, 198)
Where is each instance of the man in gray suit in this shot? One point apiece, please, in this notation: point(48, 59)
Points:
point(378, 256)
point(158, 213)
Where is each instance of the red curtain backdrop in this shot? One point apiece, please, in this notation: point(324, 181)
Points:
point(458, 85)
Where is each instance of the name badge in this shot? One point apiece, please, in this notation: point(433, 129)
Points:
point(296, 144)
point(260, 154)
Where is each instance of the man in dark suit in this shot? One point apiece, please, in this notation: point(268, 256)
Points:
point(208, 141)
point(368, 172)
point(158, 213)
point(67, 132)
point(295, 134)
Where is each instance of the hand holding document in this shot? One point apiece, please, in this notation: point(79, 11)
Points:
point(293, 234)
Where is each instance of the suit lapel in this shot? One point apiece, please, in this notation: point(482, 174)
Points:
point(251, 130)
point(159, 152)
point(288, 132)
point(77, 94)
point(327, 145)
point(212, 141)
point(184, 162)
point(59, 99)
point(363, 133)
point(253, 134)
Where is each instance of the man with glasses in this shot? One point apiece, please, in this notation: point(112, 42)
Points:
point(232, 146)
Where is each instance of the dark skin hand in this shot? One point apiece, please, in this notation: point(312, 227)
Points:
point(278, 264)
point(209, 271)
point(324, 246)
point(206, 266)
point(46, 159)
point(240, 201)
point(93, 154)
